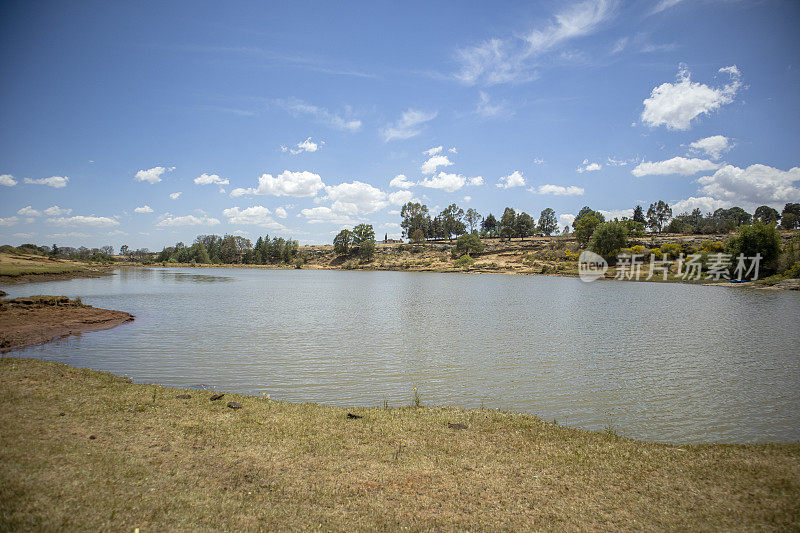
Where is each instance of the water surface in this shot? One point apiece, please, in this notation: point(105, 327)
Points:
point(663, 362)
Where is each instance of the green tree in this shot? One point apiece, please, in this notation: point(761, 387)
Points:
point(414, 216)
point(468, 243)
point(585, 212)
point(767, 214)
point(489, 225)
point(525, 225)
point(608, 238)
point(364, 239)
point(508, 224)
point(418, 236)
point(757, 238)
point(452, 220)
point(548, 223)
point(341, 243)
point(638, 214)
point(658, 214)
point(790, 216)
point(584, 229)
point(473, 219)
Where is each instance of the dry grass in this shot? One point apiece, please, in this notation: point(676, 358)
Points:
point(162, 463)
point(20, 265)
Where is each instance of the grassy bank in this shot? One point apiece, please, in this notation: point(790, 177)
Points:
point(87, 450)
point(16, 268)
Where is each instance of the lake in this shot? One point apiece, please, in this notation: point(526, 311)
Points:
point(655, 361)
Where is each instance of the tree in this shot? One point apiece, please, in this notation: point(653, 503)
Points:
point(585, 212)
point(548, 223)
point(468, 243)
point(767, 214)
point(364, 239)
point(638, 214)
point(418, 236)
point(608, 238)
point(489, 225)
point(525, 225)
point(341, 243)
point(508, 224)
point(585, 228)
point(414, 216)
point(452, 220)
point(473, 219)
point(123, 250)
point(758, 238)
point(199, 254)
point(657, 214)
point(790, 216)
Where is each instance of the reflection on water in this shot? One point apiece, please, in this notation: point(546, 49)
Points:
point(663, 362)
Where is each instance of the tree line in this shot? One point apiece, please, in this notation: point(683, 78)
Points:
point(232, 249)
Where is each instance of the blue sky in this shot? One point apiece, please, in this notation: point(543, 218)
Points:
point(296, 120)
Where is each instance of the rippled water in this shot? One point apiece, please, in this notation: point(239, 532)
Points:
point(664, 362)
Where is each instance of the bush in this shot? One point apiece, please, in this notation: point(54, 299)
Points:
point(758, 238)
point(608, 238)
point(712, 246)
point(468, 243)
point(465, 261)
point(790, 257)
point(584, 228)
point(671, 250)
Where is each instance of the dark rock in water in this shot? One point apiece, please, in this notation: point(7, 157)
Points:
point(183, 396)
point(351, 415)
point(456, 426)
point(217, 397)
point(234, 405)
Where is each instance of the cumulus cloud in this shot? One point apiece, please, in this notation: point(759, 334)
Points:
point(304, 146)
point(616, 213)
point(81, 220)
point(280, 212)
point(706, 204)
point(444, 181)
point(433, 151)
point(143, 209)
point(29, 211)
point(401, 197)
point(566, 219)
point(430, 166)
point(210, 179)
point(356, 198)
point(558, 190)
point(175, 195)
point(676, 165)
point(7, 180)
point(287, 183)
point(187, 220)
point(755, 185)
point(54, 211)
point(475, 181)
point(401, 182)
point(675, 105)
point(408, 125)
point(10, 221)
point(586, 166)
point(57, 182)
point(257, 215)
point(514, 179)
point(322, 214)
point(152, 175)
point(713, 146)
point(513, 59)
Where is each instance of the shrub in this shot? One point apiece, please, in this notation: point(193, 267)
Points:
point(790, 256)
point(671, 250)
point(712, 246)
point(758, 238)
point(469, 242)
point(608, 238)
point(465, 261)
point(585, 227)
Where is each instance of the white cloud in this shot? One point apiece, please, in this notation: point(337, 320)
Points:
point(305, 146)
point(514, 179)
point(143, 209)
point(280, 212)
point(55, 211)
point(10, 221)
point(468, 198)
point(355, 198)
point(616, 213)
point(486, 109)
point(676, 165)
point(565, 220)
point(514, 59)
point(452, 150)
point(713, 146)
point(538, 161)
point(675, 105)
point(408, 125)
point(57, 182)
point(321, 214)
point(210, 179)
point(297, 184)
point(400, 197)
point(665, 4)
point(430, 166)
point(75, 234)
point(475, 181)
point(706, 204)
point(152, 175)
point(401, 182)
point(444, 181)
point(558, 190)
point(187, 220)
point(81, 220)
point(589, 167)
point(322, 115)
point(175, 195)
point(257, 215)
point(754, 185)
point(23, 235)
point(7, 180)
point(433, 151)
point(29, 211)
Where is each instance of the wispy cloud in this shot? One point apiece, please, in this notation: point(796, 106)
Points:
point(408, 125)
point(322, 115)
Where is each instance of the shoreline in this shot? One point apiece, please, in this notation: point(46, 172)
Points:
point(83, 449)
point(41, 319)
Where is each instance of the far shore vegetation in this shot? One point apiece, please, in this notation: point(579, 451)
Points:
point(465, 241)
point(85, 450)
